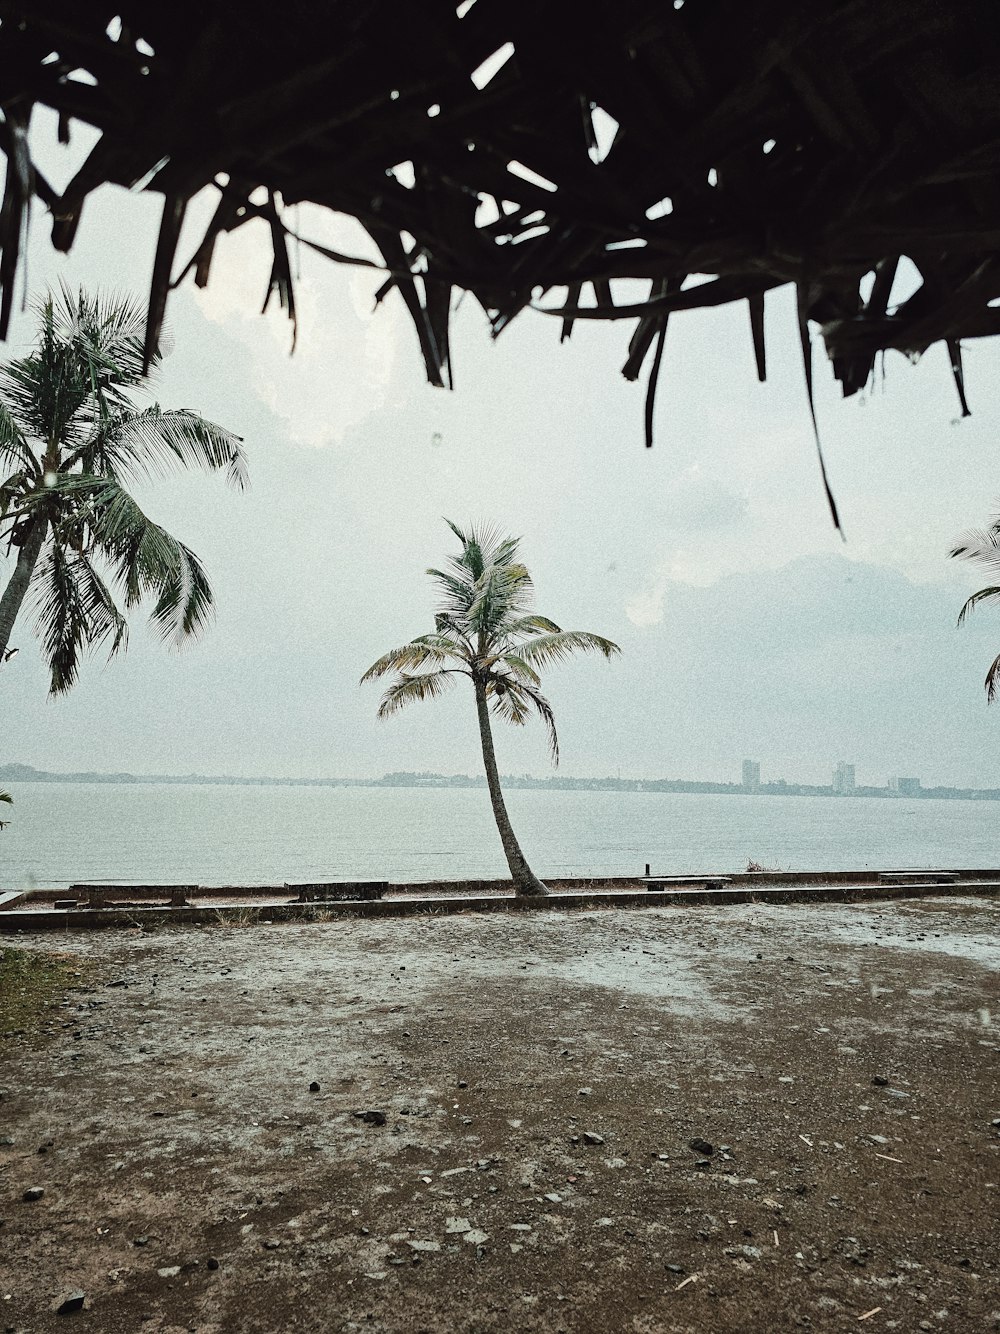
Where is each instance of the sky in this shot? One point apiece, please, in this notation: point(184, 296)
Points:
point(749, 628)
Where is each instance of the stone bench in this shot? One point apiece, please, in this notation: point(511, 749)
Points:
point(118, 896)
point(343, 891)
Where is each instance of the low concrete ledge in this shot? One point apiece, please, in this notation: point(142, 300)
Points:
point(155, 916)
point(918, 877)
point(558, 884)
point(661, 884)
point(980, 873)
point(339, 891)
point(11, 899)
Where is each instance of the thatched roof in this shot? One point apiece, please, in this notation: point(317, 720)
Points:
point(760, 142)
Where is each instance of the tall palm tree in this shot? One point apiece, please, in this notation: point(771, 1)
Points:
point(8, 800)
point(71, 441)
point(484, 630)
point(983, 547)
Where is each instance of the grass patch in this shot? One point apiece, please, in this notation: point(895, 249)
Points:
point(32, 982)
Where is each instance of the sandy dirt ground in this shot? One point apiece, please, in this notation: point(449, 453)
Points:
point(484, 1123)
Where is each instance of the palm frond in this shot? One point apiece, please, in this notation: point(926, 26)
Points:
point(412, 656)
point(508, 703)
point(553, 648)
point(453, 644)
point(14, 448)
point(517, 667)
point(74, 610)
point(472, 558)
point(458, 595)
point(15, 493)
point(992, 681)
point(184, 608)
point(44, 392)
point(108, 331)
point(450, 626)
point(984, 595)
point(483, 547)
point(981, 546)
point(532, 624)
point(457, 531)
point(409, 689)
point(502, 592)
point(140, 444)
point(106, 621)
point(80, 369)
point(544, 710)
point(144, 557)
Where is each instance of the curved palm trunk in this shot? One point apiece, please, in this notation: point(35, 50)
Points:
point(526, 883)
point(14, 593)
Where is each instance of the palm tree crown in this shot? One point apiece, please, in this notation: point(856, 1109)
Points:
point(983, 548)
point(484, 629)
point(71, 441)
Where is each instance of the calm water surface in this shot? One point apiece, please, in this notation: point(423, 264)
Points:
point(215, 835)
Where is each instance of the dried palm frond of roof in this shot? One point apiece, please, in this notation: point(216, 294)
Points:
point(542, 152)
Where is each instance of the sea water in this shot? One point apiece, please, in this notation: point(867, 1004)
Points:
point(213, 834)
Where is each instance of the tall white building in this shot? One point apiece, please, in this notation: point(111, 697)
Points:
point(843, 779)
point(751, 775)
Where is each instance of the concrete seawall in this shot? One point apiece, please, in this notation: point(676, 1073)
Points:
point(247, 904)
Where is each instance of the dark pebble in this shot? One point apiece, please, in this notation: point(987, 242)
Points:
point(211, 1263)
point(32, 1194)
point(879, 1082)
point(703, 1164)
point(314, 1086)
point(701, 1146)
point(372, 1118)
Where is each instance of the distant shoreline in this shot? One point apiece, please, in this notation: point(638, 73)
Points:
point(26, 773)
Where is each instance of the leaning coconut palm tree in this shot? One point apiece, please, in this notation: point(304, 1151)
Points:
point(71, 441)
point(983, 547)
point(484, 630)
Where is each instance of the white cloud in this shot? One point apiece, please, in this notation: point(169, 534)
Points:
point(343, 367)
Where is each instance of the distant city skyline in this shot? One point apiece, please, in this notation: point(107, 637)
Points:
point(843, 782)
